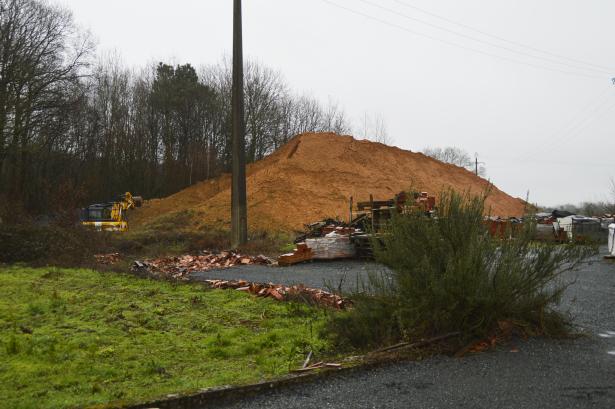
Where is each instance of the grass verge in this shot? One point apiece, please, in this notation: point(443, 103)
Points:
point(81, 338)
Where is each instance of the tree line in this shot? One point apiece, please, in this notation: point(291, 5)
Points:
point(76, 129)
point(596, 208)
point(456, 156)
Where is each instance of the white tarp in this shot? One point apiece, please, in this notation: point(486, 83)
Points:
point(332, 246)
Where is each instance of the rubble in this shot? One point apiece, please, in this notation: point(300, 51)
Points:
point(180, 267)
point(108, 259)
point(300, 254)
point(283, 292)
point(330, 239)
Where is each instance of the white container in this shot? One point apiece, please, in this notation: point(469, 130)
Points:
point(612, 240)
point(581, 228)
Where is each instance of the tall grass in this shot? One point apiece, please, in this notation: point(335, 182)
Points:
point(449, 274)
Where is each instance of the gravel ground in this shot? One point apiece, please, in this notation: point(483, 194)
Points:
point(316, 274)
point(543, 374)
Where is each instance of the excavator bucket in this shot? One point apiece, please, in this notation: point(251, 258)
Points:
point(138, 200)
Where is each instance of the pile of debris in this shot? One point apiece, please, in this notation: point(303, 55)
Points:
point(107, 259)
point(180, 267)
point(300, 254)
point(283, 293)
point(333, 245)
point(328, 243)
point(334, 239)
point(322, 228)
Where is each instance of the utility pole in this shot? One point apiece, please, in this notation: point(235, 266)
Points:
point(239, 217)
point(476, 163)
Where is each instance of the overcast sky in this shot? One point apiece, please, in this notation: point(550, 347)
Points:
point(440, 72)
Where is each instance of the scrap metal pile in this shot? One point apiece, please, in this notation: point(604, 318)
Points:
point(283, 293)
point(180, 267)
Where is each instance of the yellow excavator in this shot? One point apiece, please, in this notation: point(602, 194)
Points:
point(111, 216)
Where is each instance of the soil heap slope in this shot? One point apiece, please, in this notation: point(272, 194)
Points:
point(313, 176)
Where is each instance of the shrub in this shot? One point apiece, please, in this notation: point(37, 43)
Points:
point(174, 233)
point(52, 243)
point(449, 274)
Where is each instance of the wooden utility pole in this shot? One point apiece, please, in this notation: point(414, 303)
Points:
point(239, 217)
point(476, 163)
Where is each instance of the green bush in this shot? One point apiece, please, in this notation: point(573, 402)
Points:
point(449, 274)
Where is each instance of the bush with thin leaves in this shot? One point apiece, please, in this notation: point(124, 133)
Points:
point(449, 274)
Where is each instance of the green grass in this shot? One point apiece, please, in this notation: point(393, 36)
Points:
point(79, 338)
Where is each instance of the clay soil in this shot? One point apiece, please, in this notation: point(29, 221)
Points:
point(313, 176)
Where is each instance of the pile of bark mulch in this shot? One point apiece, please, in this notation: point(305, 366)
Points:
point(181, 267)
point(284, 293)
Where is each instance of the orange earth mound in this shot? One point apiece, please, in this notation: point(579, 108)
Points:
point(313, 177)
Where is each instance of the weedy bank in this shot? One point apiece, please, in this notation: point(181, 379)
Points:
point(77, 338)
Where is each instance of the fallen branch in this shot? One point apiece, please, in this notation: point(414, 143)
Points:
point(319, 365)
point(418, 344)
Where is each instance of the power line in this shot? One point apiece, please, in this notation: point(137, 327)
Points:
point(417, 33)
point(478, 40)
point(518, 44)
point(552, 162)
point(570, 131)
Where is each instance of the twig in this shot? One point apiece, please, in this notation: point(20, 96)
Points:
point(417, 344)
point(319, 365)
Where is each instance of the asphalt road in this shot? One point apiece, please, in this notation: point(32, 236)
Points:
point(576, 373)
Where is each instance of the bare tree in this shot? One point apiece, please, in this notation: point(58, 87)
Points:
point(102, 128)
point(42, 57)
point(374, 128)
point(264, 93)
point(455, 156)
point(334, 119)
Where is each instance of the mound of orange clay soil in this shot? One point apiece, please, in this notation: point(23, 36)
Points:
point(313, 177)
